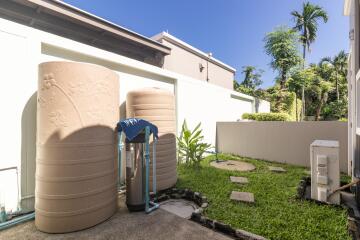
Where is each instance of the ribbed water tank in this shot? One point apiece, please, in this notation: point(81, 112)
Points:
point(158, 106)
point(76, 169)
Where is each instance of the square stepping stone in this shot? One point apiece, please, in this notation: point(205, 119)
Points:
point(277, 169)
point(242, 197)
point(241, 180)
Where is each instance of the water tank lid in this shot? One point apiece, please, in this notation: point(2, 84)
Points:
point(134, 126)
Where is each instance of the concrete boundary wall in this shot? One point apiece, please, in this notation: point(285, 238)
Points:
point(285, 142)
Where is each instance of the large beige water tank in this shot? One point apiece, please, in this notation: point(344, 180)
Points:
point(76, 169)
point(158, 107)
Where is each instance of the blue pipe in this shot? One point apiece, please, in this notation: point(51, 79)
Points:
point(149, 209)
point(120, 147)
point(147, 162)
point(154, 166)
point(17, 220)
point(214, 152)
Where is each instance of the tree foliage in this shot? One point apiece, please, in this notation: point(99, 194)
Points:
point(322, 87)
point(236, 85)
point(282, 46)
point(319, 81)
point(339, 64)
point(318, 90)
point(307, 22)
point(252, 77)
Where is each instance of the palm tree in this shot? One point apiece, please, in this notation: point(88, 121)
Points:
point(339, 64)
point(307, 25)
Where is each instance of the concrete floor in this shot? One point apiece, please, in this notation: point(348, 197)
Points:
point(180, 207)
point(159, 224)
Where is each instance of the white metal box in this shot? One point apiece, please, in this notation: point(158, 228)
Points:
point(325, 170)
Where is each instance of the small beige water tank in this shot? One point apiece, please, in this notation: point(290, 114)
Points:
point(76, 169)
point(158, 107)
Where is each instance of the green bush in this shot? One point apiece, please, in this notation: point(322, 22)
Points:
point(343, 120)
point(247, 116)
point(266, 116)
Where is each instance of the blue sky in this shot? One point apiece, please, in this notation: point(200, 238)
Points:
point(233, 30)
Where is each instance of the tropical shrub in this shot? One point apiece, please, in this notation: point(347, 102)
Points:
point(266, 116)
point(335, 110)
point(291, 107)
point(190, 146)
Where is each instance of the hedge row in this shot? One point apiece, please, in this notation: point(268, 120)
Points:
point(266, 116)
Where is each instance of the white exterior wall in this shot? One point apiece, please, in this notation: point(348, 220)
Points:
point(352, 10)
point(23, 48)
point(202, 102)
point(264, 106)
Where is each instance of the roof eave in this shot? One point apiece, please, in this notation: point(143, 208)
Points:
point(180, 43)
point(88, 18)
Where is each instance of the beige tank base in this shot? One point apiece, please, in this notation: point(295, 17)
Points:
point(158, 107)
point(76, 167)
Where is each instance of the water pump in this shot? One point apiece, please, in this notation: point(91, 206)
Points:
point(137, 134)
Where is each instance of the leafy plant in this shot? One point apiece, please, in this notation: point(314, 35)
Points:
point(190, 146)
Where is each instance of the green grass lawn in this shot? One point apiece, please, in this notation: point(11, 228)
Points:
point(276, 214)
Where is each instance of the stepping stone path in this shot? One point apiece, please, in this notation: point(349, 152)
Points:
point(277, 169)
point(241, 180)
point(233, 165)
point(242, 197)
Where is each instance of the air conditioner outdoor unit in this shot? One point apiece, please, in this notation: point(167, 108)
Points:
point(325, 171)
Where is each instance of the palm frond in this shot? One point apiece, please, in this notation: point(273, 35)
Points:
point(306, 22)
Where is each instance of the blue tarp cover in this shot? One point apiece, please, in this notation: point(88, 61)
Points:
point(133, 126)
